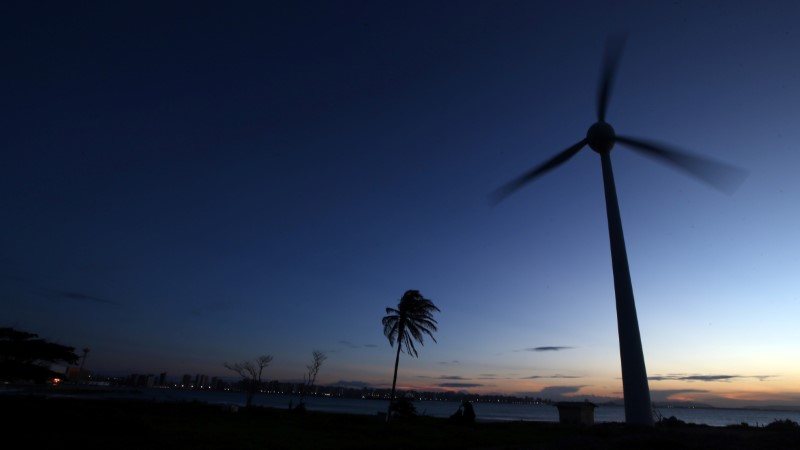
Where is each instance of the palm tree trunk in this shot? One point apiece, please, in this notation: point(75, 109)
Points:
point(394, 381)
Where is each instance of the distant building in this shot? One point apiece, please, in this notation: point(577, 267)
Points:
point(576, 413)
point(141, 380)
point(200, 381)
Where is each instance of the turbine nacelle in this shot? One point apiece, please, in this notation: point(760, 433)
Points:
point(601, 137)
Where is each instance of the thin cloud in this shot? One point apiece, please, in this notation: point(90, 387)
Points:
point(663, 377)
point(460, 385)
point(705, 378)
point(536, 377)
point(561, 390)
point(77, 297)
point(547, 349)
point(710, 377)
point(666, 394)
point(348, 344)
point(449, 363)
point(443, 377)
point(351, 384)
point(370, 345)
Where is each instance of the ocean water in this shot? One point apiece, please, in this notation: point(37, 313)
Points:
point(483, 411)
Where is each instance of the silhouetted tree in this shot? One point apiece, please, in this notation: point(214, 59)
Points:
point(403, 408)
point(469, 412)
point(465, 413)
point(251, 371)
point(317, 358)
point(783, 424)
point(412, 319)
point(25, 357)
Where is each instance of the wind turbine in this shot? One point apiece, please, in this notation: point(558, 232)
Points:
point(601, 138)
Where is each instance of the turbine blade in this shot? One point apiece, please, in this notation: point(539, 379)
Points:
point(529, 176)
point(722, 176)
point(614, 46)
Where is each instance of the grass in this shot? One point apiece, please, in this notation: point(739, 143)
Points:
point(41, 422)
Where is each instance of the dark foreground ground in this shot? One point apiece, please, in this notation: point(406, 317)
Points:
point(57, 423)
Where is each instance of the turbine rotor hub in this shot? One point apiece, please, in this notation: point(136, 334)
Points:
point(601, 137)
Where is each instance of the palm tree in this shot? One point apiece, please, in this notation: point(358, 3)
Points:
point(412, 319)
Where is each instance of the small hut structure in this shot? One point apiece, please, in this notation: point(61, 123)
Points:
point(576, 413)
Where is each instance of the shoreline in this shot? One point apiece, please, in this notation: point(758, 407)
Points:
point(486, 411)
point(101, 423)
point(704, 416)
point(91, 389)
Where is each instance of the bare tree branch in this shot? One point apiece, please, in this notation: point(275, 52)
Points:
point(250, 371)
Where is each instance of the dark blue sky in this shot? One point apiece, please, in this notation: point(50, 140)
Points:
point(186, 184)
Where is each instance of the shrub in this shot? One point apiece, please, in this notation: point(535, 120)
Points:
point(782, 424)
point(403, 408)
point(671, 421)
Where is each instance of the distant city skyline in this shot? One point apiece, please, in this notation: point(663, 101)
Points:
point(341, 389)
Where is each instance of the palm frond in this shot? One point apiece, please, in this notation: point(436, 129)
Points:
point(410, 322)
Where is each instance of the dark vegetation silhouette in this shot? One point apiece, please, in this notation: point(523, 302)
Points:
point(601, 138)
point(783, 425)
point(670, 421)
point(409, 322)
point(24, 357)
point(250, 371)
point(310, 377)
point(465, 414)
point(134, 424)
point(156, 419)
point(403, 408)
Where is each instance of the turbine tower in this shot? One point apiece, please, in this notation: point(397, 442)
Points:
point(601, 138)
